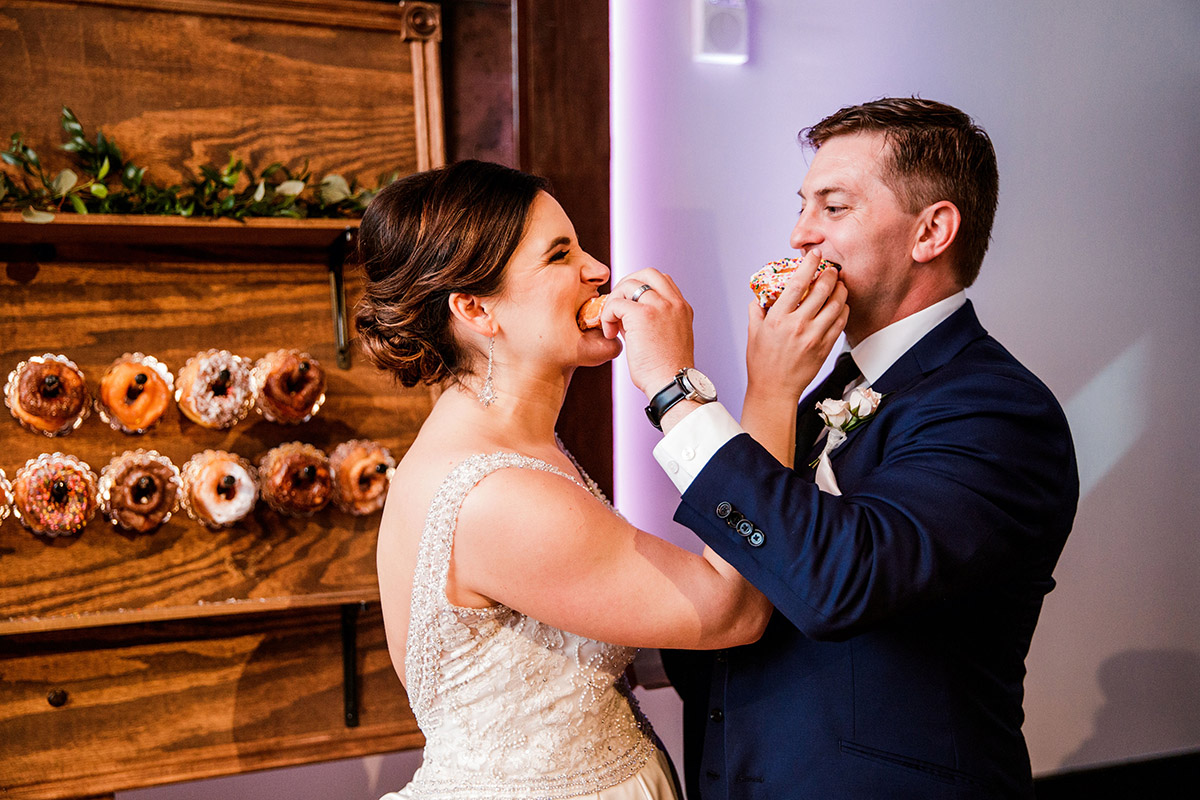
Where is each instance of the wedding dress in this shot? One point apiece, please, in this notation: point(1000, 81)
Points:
point(510, 707)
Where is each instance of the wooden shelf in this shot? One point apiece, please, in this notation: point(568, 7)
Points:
point(75, 237)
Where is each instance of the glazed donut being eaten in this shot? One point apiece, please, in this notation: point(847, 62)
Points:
point(768, 283)
point(215, 389)
point(296, 479)
point(54, 494)
point(47, 394)
point(588, 316)
point(361, 471)
point(134, 393)
point(219, 488)
point(139, 490)
point(291, 386)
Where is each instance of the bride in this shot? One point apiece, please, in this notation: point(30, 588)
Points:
point(513, 595)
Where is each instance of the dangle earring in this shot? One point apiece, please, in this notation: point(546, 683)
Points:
point(487, 395)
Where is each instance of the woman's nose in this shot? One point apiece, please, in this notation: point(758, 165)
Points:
point(594, 272)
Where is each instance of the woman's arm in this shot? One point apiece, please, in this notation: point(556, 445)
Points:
point(543, 545)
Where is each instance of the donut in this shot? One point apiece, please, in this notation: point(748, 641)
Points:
point(6, 497)
point(219, 488)
point(215, 389)
point(589, 314)
point(361, 472)
point(296, 479)
point(290, 386)
point(54, 494)
point(134, 393)
point(139, 490)
point(769, 281)
point(47, 394)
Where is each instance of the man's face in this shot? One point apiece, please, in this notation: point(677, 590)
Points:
point(856, 220)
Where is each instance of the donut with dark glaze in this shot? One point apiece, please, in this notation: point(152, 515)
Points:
point(296, 479)
point(139, 490)
point(291, 386)
point(47, 394)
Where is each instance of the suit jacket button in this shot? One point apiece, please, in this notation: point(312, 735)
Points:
point(745, 527)
point(716, 715)
point(724, 510)
point(756, 538)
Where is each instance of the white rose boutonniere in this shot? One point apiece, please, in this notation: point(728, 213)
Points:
point(843, 416)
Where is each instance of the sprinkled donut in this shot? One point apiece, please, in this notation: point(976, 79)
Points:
point(134, 393)
point(361, 472)
point(215, 389)
point(290, 386)
point(219, 488)
point(47, 394)
point(139, 490)
point(54, 494)
point(769, 282)
point(296, 479)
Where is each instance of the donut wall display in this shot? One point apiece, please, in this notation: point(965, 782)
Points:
point(138, 490)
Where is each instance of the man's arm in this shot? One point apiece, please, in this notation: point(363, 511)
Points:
point(967, 482)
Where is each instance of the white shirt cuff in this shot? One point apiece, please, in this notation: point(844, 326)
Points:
point(684, 451)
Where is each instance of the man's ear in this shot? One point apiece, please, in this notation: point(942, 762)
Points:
point(470, 311)
point(936, 230)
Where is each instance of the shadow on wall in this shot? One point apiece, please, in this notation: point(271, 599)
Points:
point(1151, 706)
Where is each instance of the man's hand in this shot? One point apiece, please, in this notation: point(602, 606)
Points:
point(788, 343)
point(657, 328)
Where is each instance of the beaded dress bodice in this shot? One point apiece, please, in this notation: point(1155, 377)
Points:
point(510, 707)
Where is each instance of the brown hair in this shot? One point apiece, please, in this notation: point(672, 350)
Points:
point(451, 229)
point(935, 152)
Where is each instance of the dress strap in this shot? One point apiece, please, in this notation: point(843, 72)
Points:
point(424, 650)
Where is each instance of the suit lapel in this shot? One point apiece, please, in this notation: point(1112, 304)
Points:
point(931, 352)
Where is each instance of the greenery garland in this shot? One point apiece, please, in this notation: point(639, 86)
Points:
point(107, 184)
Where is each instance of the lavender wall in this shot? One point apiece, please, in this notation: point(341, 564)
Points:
point(1091, 280)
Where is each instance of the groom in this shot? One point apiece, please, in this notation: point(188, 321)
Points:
point(907, 583)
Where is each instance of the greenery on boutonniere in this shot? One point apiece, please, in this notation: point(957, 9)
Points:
point(101, 181)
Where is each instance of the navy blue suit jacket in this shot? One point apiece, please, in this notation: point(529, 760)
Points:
point(893, 664)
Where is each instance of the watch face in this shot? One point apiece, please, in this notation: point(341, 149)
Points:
point(701, 385)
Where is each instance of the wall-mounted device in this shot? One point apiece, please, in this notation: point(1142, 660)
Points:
point(721, 31)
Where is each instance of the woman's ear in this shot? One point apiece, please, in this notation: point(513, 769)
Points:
point(470, 311)
point(937, 227)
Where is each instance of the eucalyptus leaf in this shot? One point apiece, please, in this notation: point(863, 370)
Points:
point(333, 189)
point(98, 190)
point(260, 192)
point(290, 188)
point(103, 170)
point(77, 202)
point(63, 182)
point(31, 214)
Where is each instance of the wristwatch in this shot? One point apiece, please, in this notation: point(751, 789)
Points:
point(689, 384)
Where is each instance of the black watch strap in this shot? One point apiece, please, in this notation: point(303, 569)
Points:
point(662, 402)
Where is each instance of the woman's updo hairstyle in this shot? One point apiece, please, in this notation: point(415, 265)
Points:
point(451, 229)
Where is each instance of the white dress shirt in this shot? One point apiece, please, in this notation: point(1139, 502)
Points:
point(685, 451)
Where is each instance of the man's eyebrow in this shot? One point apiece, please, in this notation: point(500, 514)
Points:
point(828, 190)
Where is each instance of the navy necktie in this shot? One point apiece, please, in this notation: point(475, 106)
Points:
point(808, 422)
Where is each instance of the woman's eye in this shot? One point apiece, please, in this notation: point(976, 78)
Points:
point(561, 255)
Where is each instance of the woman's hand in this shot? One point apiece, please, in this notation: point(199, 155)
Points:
point(786, 346)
